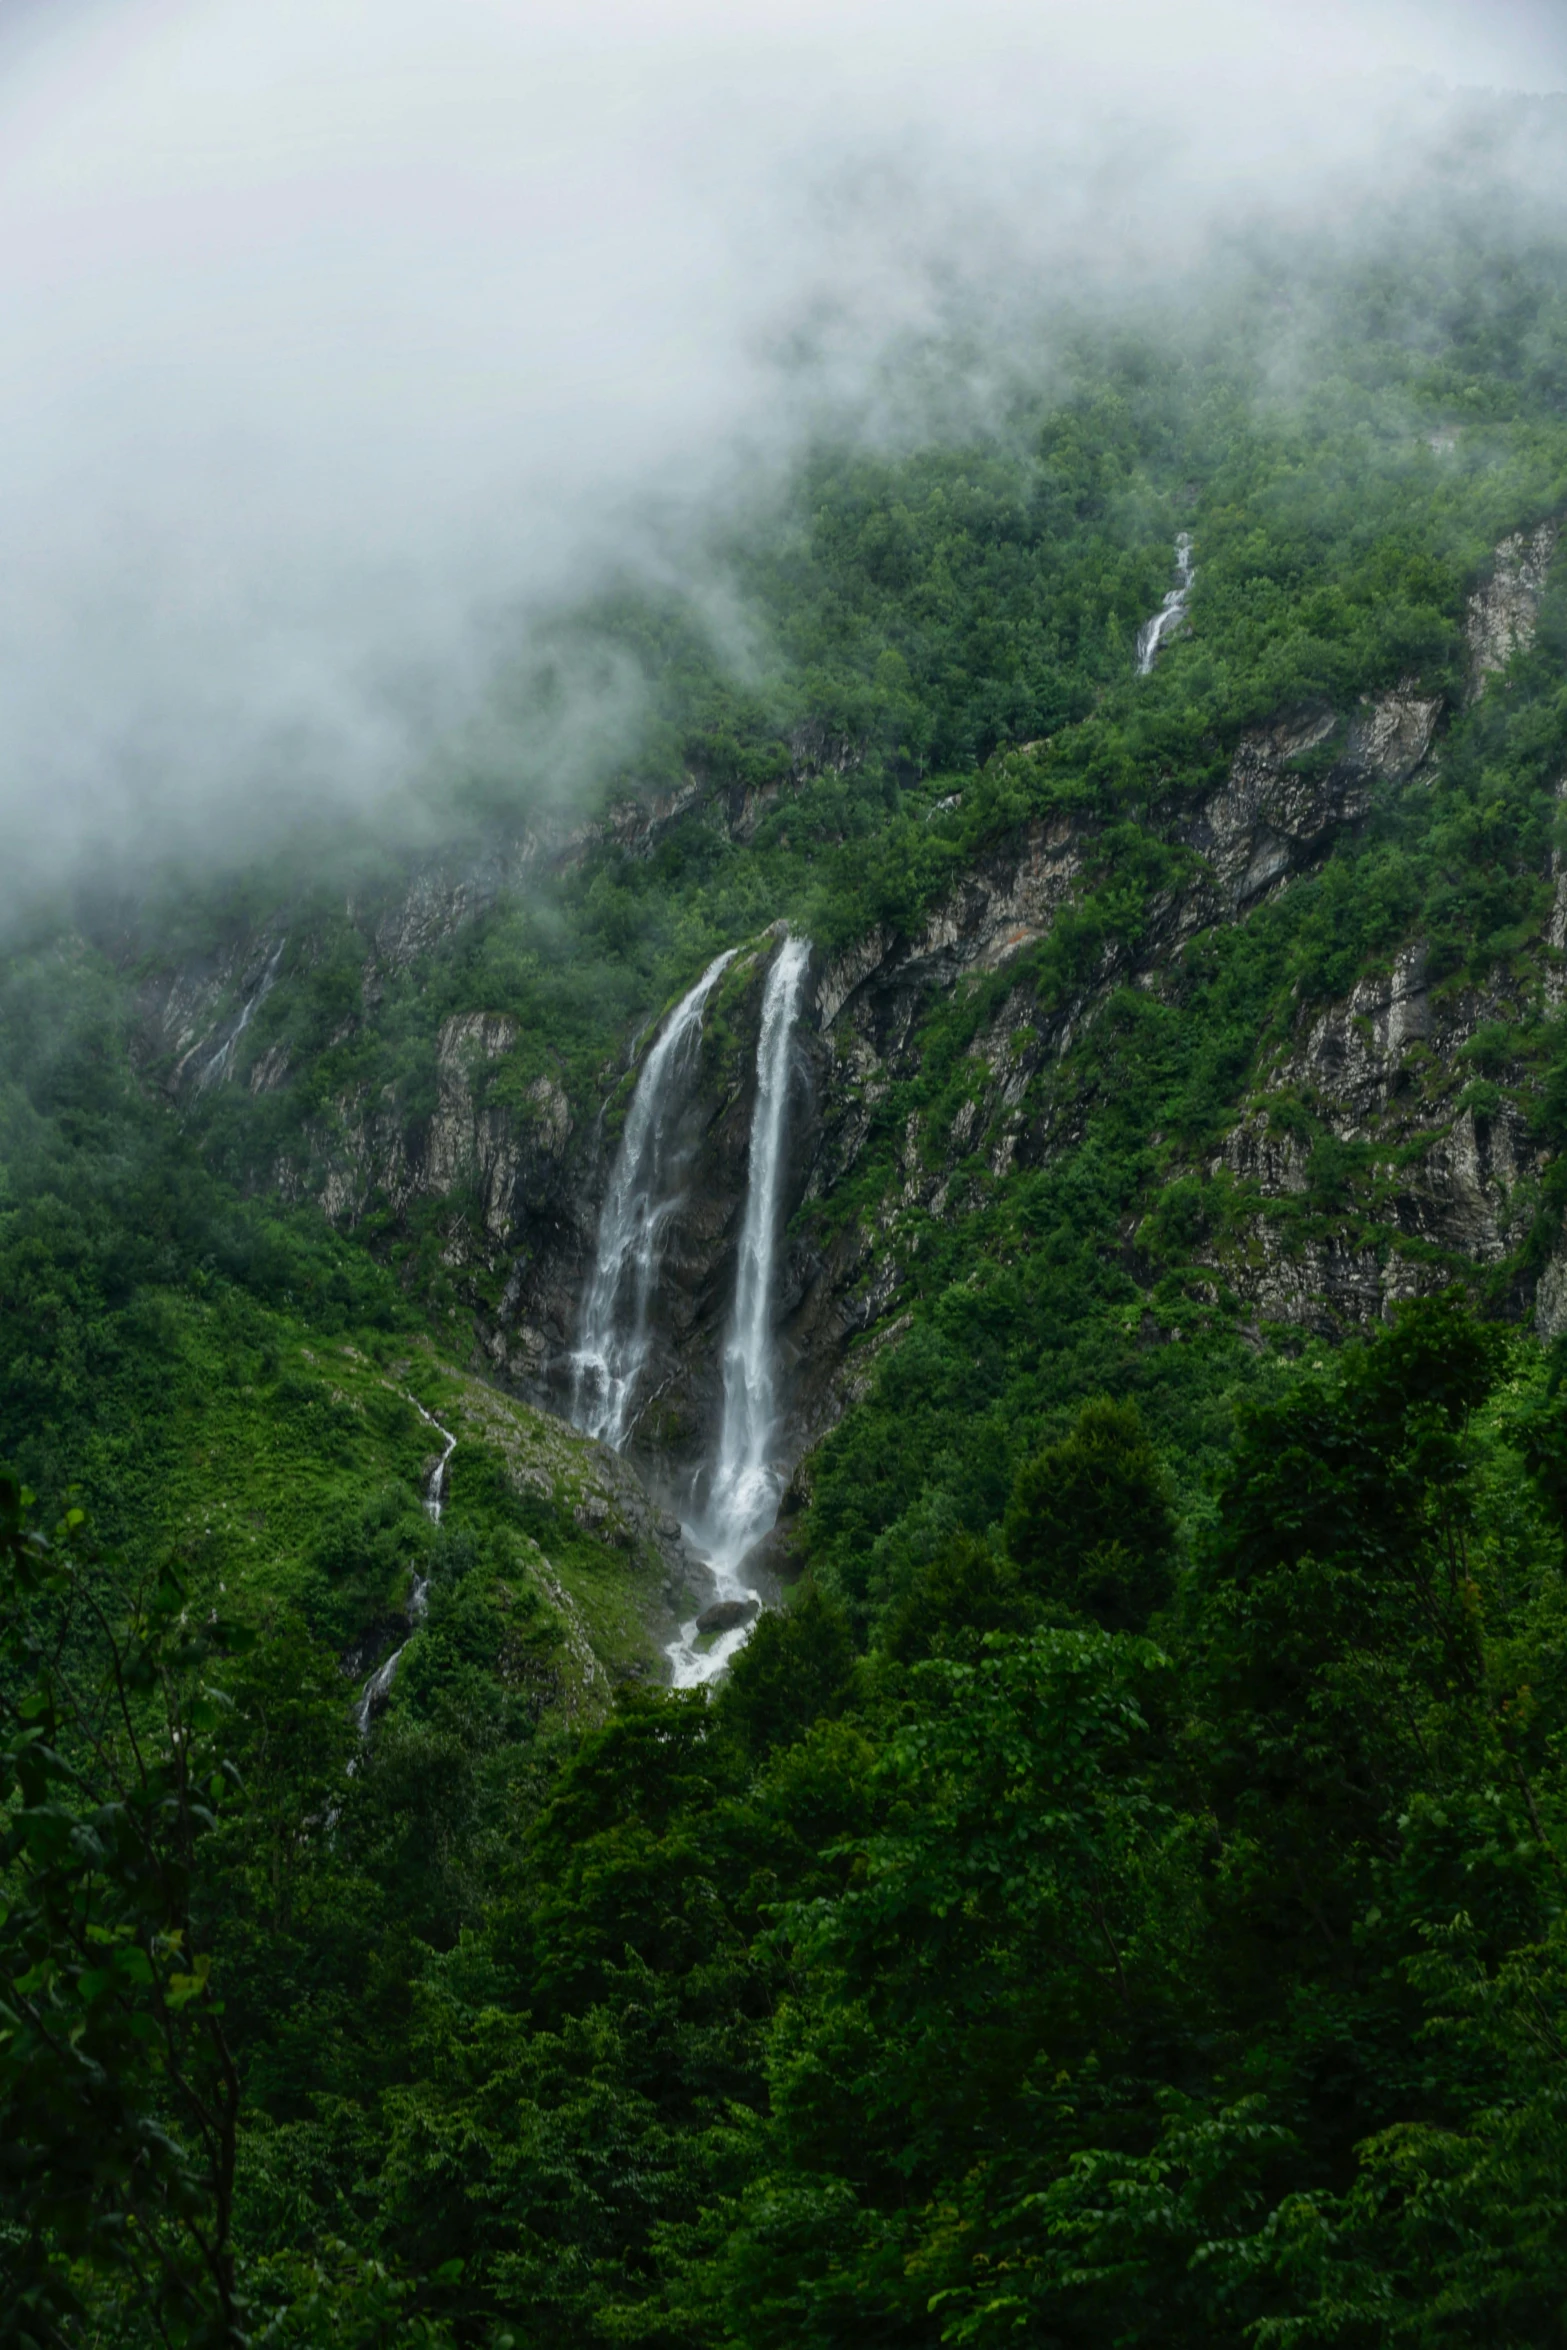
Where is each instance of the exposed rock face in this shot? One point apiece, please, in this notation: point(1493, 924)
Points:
point(1502, 615)
point(192, 1016)
point(1294, 784)
point(1390, 734)
point(482, 1146)
point(1550, 1298)
point(506, 1161)
point(1441, 1181)
point(1009, 899)
point(1355, 1054)
point(1433, 1177)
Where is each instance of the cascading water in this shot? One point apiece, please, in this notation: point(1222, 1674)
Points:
point(747, 1482)
point(644, 1191)
point(435, 1489)
point(1153, 632)
point(375, 1689)
point(215, 1070)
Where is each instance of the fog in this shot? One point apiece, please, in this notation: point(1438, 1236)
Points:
point(345, 342)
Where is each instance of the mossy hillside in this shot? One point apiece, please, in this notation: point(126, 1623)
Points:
point(308, 1492)
point(288, 1474)
point(1122, 1255)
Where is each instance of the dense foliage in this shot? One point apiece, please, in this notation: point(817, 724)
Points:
point(1196, 1981)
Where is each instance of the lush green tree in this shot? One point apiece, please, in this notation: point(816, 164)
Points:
point(1025, 1900)
point(796, 1668)
point(962, 1594)
point(118, 2089)
point(1090, 1523)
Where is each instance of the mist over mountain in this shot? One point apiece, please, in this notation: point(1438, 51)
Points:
point(331, 372)
point(783, 1177)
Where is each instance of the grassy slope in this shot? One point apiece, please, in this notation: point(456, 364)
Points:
point(261, 1471)
point(288, 1473)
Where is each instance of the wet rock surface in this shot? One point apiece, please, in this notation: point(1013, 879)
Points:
point(1447, 1171)
point(1295, 783)
point(725, 1615)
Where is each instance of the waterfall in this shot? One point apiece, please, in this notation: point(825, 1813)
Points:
point(222, 1060)
point(435, 1489)
point(380, 1681)
point(374, 1691)
point(643, 1194)
point(747, 1483)
point(1153, 632)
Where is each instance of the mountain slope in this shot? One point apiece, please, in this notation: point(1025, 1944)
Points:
point(1115, 1894)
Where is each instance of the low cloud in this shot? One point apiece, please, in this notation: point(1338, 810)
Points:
point(344, 341)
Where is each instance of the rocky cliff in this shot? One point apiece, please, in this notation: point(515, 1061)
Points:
point(1382, 1143)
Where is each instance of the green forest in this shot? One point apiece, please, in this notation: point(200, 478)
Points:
point(1119, 1898)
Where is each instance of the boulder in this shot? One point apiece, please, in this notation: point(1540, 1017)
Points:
point(725, 1615)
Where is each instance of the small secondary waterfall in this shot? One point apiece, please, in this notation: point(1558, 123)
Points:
point(1153, 632)
point(380, 1681)
point(747, 1483)
point(215, 1070)
point(435, 1489)
point(643, 1193)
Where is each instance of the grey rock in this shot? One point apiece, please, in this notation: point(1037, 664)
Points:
point(1550, 1297)
point(1503, 614)
point(725, 1615)
point(778, 1554)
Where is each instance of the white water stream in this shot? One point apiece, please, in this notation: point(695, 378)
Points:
point(644, 1192)
point(380, 1681)
point(215, 1070)
point(1153, 632)
point(747, 1478)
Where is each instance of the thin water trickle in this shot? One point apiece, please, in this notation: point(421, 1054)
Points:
point(435, 1488)
point(1153, 632)
point(644, 1192)
point(376, 1688)
point(747, 1479)
point(223, 1059)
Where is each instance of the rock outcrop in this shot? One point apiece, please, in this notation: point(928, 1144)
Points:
point(1441, 1172)
point(1504, 613)
point(1294, 785)
point(499, 1159)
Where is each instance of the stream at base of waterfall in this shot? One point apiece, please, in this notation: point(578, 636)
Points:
point(645, 1192)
